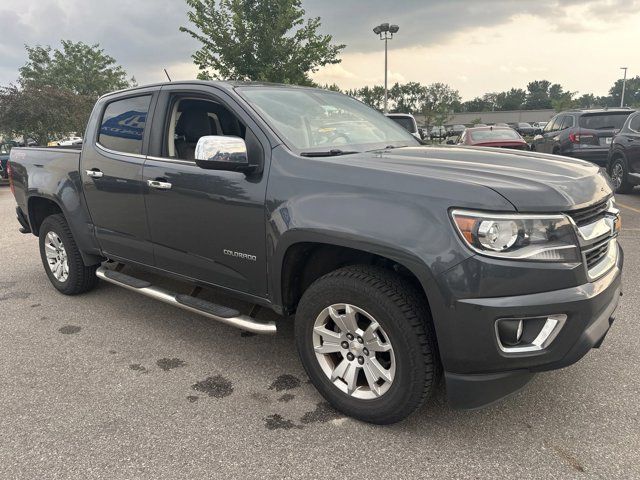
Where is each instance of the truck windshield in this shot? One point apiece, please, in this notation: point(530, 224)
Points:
point(310, 120)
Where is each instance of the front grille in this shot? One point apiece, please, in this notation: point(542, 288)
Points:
point(587, 215)
point(596, 254)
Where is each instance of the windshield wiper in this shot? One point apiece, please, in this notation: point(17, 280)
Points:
point(334, 152)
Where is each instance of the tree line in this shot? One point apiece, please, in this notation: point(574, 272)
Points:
point(259, 40)
point(437, 101)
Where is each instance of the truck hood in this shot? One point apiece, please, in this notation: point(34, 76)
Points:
point(530, 181)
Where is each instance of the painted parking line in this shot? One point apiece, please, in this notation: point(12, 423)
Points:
point(633, 209)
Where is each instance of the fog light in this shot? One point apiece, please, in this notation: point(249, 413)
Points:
point(521, 335)
point(510, 331)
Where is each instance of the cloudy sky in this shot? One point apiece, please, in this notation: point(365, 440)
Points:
point(476, 46)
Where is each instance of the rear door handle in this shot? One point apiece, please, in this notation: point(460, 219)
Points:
point(159, 184)
point(95, 173)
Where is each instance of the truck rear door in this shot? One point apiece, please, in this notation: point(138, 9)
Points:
point(111, 169)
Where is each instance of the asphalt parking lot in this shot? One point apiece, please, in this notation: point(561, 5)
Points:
point(114, 385)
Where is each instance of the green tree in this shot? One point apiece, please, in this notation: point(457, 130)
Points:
point(57, 90)
point(513, 99)
point(631, 93)
point(438, 103)
point(538, 95)
point(408, 97)
point(42, 112)
point(260, 40)
point(372, 96)
point(478, 104)
point(77, 67)
point(587, 100)
point(333, 87)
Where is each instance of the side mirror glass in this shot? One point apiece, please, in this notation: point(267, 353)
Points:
point(216, 152)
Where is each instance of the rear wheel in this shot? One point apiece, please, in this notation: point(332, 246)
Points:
point(364, 337)
point(62, 259)
point(619, 176)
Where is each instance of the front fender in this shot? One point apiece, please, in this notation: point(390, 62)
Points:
point(401, 230)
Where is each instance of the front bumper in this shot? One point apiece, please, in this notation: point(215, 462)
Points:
point(479, 372)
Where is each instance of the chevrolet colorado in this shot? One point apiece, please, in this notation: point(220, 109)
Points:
point(402, 263)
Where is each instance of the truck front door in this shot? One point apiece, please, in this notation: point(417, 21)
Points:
point(207, 225)
point(111, 170)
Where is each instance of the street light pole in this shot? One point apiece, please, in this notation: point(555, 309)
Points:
point(624, 84)
point(386, 69)
point(385, 32)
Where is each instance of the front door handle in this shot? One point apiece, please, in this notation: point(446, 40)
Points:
point(159, 184)
point(95, 173)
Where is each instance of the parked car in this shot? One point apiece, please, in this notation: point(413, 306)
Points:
point(406, 121)
point(399, 261)
point(623, 163)
point(584, 134)
point(5, 148)
point(524, 129)
point(456, 130)
point(67, 142)
point(476, 125)
point(539, 126)
point(501, 125)
point(500, 137)
point(438, 132)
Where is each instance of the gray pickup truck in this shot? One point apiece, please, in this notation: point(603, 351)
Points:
point(402, 263)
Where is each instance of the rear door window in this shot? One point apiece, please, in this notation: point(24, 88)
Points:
point(552, 126)
point(123, 123)
point(603, 121)
point(567, 122)
point(634, 124)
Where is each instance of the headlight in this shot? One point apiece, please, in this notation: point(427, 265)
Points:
point(546, 238)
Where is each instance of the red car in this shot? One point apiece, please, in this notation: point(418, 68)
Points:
point(502, 137)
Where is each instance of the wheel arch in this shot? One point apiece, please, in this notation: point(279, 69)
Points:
point(39, 207)
point(303, 260)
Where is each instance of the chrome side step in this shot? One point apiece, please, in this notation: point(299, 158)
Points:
point(187, 302)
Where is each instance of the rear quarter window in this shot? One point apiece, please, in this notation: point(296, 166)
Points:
point(634, 123)
point(603, 121)
point(123, 123)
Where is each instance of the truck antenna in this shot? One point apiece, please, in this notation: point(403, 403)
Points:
point(167, 74)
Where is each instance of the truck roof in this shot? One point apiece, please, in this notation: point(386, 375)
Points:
point(223, 84)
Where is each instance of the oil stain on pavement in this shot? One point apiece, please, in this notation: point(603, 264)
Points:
point(285, 382)
point(167, 364)
point(216, 386)
point(278, 422)
point(138, 368)
point(69, 329)
point(287, 397)
point(323, 413)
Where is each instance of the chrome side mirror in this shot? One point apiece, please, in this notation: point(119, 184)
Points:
point(216, 152)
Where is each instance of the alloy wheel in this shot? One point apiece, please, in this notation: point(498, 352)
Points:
point(56, 256)
point(617, 174)
point(353, 351)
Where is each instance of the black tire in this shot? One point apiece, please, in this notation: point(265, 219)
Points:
point(81, 278)
point(624, 186)
point(405, 318)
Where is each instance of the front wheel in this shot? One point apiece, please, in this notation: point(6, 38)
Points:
point(62, 259)
point(619, 177)
point(364, 337)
